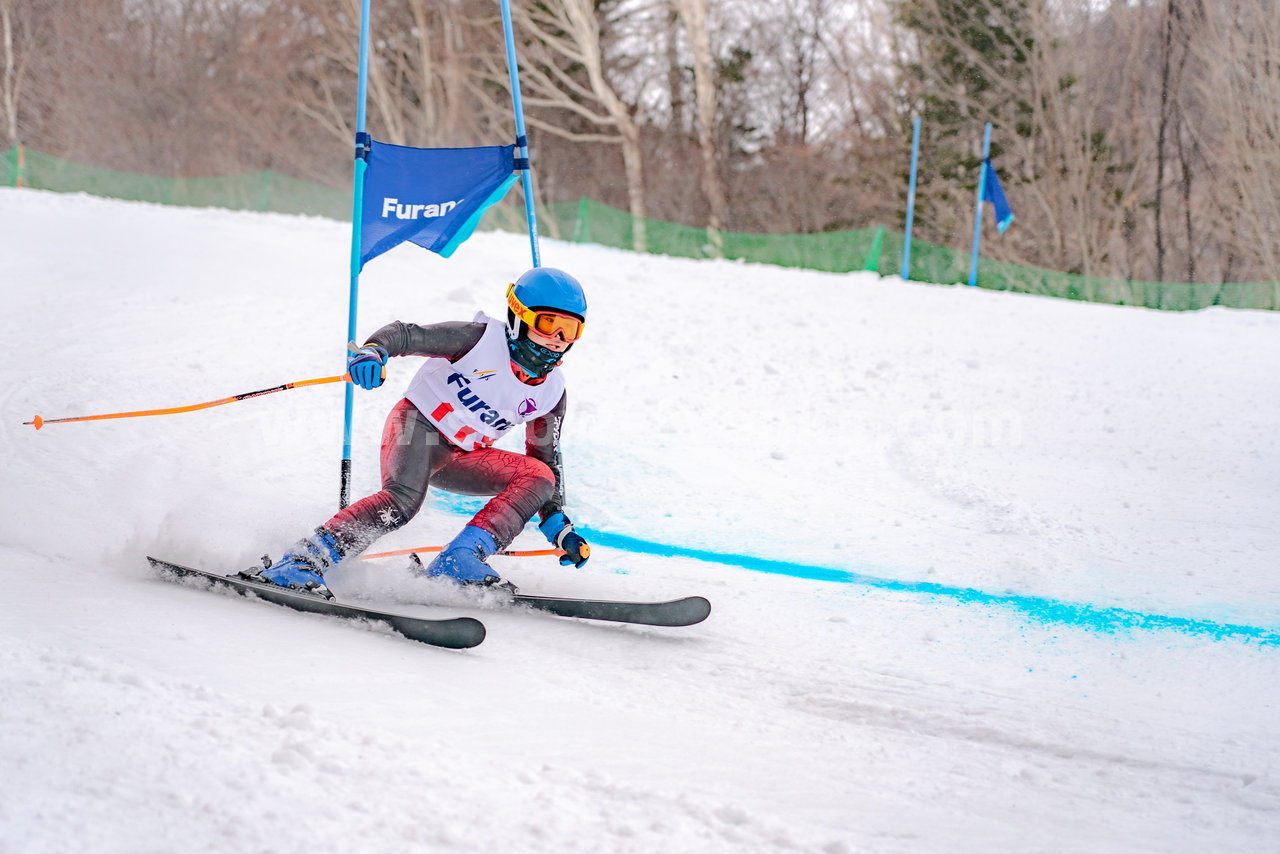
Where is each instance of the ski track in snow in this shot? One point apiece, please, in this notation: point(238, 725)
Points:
point(1114, 457)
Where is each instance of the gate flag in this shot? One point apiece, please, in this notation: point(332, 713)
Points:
point(433, 197)
point(994, 193)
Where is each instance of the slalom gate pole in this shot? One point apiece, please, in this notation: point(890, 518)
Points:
point(357, 208)
point(235, 398)
point(977, 218)
point(911, 199)
point(522, 141)
point(428, 549)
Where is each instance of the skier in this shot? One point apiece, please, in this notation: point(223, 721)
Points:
point(480, 379)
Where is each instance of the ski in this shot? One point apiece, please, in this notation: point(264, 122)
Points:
point(455, 633)
point(677, 612)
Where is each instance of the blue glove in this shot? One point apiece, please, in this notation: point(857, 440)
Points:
point(367, 365)
point(559, 532)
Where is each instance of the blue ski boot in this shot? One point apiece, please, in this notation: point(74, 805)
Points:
point(303, 565)
point(463, 560)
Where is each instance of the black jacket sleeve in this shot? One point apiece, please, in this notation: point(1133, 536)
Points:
point(451, 340)
point(542, 442)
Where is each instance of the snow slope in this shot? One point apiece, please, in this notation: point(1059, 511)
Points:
point(932, 458)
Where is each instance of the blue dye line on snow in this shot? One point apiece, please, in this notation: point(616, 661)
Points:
point(1091, 617)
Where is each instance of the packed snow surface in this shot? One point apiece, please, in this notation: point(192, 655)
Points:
point(887, 469)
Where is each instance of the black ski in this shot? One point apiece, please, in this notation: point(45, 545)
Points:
point(456, 633)
point(677, 612)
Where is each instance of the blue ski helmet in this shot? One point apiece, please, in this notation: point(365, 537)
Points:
point(542, 289)
point(546, 289)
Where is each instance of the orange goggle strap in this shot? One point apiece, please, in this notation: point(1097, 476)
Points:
point(530, 317)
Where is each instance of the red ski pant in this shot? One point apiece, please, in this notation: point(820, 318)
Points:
point(415, 455)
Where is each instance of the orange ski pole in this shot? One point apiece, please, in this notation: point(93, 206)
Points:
point(398, 552)
point(40, 422)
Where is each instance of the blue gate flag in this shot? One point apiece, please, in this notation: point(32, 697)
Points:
point(994, 193)
point(433, 197)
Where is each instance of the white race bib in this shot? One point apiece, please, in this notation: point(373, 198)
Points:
point(477, 399)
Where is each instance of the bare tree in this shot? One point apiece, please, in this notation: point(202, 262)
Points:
point(693, 15)
point(1238, 82)
point(10, 86)
point(1173, 60)
point(1073, 165)
point(424, 66)
point(563, 71)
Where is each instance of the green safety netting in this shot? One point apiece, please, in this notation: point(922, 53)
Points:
point(1173, 296)
point(941, 265)
point(586, 221)
point(837, 252)
point(256, 191)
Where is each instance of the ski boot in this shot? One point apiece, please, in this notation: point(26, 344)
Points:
point(303, 565)
point(463, 559)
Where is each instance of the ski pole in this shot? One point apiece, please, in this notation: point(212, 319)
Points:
point(40, 422)
point(509, 553)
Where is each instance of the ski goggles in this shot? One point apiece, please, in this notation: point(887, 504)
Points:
point(548, 323)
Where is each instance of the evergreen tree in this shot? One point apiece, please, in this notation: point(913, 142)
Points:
point(967, 66)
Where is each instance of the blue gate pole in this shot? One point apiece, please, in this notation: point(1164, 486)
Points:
point(911, 199)
point(977, 217)
point(522, 141)
point(357, 208)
